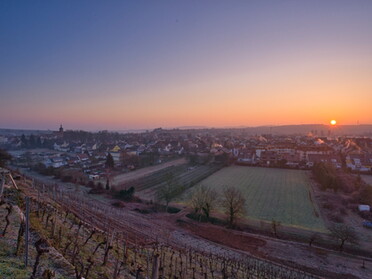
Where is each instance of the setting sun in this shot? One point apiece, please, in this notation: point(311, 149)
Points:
point(333, 122)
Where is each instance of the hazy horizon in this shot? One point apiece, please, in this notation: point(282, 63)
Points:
point(193, 127)
point(140, 65)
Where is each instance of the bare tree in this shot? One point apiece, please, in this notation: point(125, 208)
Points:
point(204, 200)
point(343, 233)
point(233, 203)
point(169, 190)
point(274, 226)
point(314, 237)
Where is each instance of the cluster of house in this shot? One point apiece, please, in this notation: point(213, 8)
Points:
point(264, 150)
point(305, 155)
point(288, 156)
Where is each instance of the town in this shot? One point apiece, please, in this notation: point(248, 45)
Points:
point(85, 153)
point(304, 189)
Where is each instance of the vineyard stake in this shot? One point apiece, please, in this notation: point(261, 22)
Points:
point(27, 229)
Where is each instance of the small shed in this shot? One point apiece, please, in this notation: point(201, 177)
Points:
point(364, 207)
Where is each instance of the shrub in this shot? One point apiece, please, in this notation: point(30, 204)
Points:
point(367, 215)
point(328, 206)
point(119, 204)
point(96, 191)
point(142, 211)
point(125, 195)
point(343, 211)
point(202, 218)
point(335, 218)
point(67, 178)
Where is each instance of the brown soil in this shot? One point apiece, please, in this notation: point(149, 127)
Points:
point(226, 237)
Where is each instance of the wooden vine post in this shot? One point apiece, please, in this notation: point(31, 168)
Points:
point(2, 182)
point(155, 267)
point(27, 229)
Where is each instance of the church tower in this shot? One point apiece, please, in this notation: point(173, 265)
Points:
point(61, 130)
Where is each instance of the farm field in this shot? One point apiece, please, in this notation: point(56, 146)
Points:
point(184, 175)
point(280, 194)
point(367, 179)
point(123, 178)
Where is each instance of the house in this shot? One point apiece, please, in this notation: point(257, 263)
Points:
point(334, 160)
point(96, 146)
point(116, 154)
point(82, 157)
point(94, 176)
point(80, 148)
point(65, 147)
point(3, 140)
point(100, 155)
point(55, 162)
point(305, 151)
point(268, 158)
point(364, 207)
point(292, 160)
point(246, 156)
point(359, 162)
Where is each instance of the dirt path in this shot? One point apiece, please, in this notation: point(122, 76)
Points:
point(121, 178)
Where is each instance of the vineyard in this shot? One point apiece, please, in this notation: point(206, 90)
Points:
point(122, 179)
point(105, 242)
point(279, 194)
point(155, 178)
point(184, 175)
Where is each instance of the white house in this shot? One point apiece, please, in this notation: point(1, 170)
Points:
point(364, 207)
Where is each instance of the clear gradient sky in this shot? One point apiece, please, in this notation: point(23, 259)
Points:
point(143, 64)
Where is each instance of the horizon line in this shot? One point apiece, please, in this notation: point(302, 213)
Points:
point(187, 127)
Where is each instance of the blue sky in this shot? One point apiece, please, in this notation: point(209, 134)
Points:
point(144, 64)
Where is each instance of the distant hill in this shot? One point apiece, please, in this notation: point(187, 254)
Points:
point(19, 132)
point(302, 129)
point(317, 129)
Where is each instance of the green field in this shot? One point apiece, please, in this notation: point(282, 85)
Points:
point(280, 194)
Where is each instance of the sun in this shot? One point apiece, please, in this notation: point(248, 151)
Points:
point(333, 122)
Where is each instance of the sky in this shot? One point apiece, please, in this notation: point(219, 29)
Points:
point(119, 65)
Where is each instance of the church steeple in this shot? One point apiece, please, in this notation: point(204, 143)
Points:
point(61, 129)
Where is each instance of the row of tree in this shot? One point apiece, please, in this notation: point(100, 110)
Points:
point(326, 175)
point(136, 161)
point(329, 178)
point(205, 199)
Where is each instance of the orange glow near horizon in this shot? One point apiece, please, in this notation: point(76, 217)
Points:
point(333, 122)
point(260, 65)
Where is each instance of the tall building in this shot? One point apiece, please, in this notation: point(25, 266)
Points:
point(60, 131)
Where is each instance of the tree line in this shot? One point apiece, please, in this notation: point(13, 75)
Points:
point(326, 175)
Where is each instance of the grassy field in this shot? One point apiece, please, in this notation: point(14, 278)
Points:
point(367, 179)
point(280, 194)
